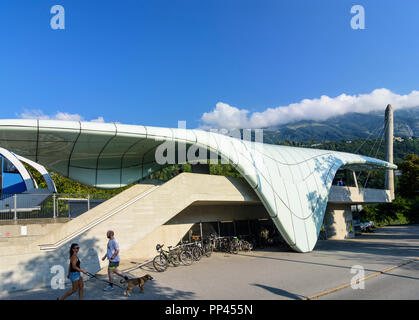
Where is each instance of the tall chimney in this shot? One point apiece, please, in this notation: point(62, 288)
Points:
point(388, 125)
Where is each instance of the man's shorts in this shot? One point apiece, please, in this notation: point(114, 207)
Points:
point(113, 265)
point(74, 276)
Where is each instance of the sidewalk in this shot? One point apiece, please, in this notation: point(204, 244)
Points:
point(270, 274)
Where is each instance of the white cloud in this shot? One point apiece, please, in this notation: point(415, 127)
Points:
point(68, 116)
point(99, 119)
point(33, 114)
point(65, 116)
point(226, 116)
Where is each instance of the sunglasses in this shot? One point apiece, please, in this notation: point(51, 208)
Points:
point(77, 248)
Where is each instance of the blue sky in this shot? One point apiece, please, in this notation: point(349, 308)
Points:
point(154, 62)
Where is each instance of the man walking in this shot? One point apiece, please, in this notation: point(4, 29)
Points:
point(112, 253)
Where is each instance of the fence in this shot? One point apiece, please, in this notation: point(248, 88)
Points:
point(42, 205)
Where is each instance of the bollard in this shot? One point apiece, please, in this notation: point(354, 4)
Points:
point(15, 206)
point(200, 229)
point(53, 205)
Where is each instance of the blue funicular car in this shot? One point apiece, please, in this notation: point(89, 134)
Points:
point(18, 189)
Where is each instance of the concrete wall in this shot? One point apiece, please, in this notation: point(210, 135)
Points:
point(338, 222)
point(34, 227)
point(145, 249)
point(338, 217)
point(11, 231)
point(339, 194)
point(26, 266)
point(172, 231)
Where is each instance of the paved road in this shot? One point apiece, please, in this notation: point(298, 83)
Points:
point(401, 283)
point(272, 274)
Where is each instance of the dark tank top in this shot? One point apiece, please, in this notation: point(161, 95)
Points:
point(77, 264)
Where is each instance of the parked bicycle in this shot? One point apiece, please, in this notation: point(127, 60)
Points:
point(202, 249)
point(229, 244)
point(193, 249)
point(245, 245)
point(173, 256)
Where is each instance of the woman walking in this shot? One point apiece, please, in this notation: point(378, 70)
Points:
point(74, 273)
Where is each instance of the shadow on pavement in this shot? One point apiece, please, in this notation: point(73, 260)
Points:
point(384, 252)
point(148, 267)
point(93, 290)
point(279, 292)
point(304, 262)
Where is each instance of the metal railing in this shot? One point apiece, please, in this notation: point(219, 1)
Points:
point(47, 205)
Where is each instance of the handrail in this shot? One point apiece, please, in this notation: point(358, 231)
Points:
point(96, 222)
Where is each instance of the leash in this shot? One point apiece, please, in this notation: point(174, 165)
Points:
point(114, 284)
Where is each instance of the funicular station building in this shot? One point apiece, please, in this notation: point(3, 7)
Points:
point(290, 187)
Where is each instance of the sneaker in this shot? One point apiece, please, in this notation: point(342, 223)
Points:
point(108, 288)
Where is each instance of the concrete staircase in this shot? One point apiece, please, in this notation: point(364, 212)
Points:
point(137, 216)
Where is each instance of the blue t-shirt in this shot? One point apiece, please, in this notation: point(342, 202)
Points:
point(112, 247)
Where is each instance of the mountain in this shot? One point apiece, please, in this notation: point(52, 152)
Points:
point(349, 126)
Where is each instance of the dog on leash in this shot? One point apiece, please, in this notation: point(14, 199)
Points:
point(136, 282)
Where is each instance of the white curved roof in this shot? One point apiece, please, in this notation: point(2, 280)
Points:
point(292, 183)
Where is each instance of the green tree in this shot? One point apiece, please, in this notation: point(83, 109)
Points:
point(413, 214)
point(397, 212)
point(409, 181)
